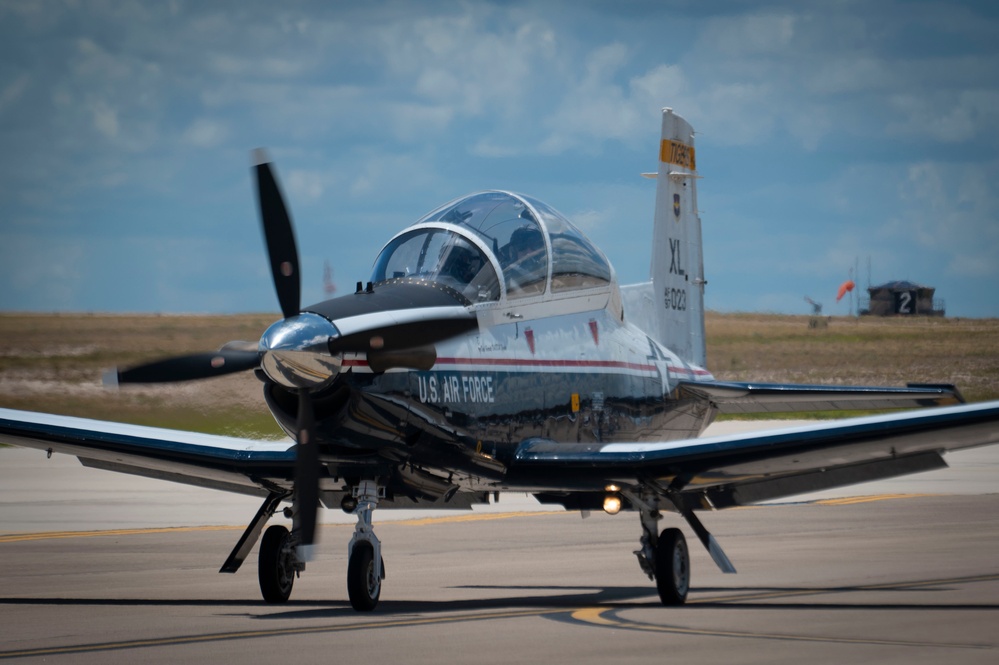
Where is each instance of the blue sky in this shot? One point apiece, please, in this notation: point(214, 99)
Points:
point(828, 132)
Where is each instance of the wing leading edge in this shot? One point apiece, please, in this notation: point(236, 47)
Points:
point(227, 463)
point(733, 470)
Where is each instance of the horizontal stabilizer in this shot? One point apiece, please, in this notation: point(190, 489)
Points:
point(731, 397)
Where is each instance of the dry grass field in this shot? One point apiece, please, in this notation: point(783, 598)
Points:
point(53, 363)
point(864, 351)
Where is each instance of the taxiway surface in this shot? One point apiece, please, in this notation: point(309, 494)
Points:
point(904, 571)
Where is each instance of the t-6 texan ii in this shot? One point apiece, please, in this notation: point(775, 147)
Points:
point(493, 350)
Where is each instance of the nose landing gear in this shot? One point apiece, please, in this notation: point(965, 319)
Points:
point(365, 570)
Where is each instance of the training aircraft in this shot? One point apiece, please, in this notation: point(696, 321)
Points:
point(492, 350)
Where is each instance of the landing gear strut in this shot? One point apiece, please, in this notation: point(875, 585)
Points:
point(365, 570)
point(278, 563)
point(664, 558)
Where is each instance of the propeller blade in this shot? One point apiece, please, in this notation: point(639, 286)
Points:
point(403, 336)
point(306, 496)
point(279, 237)
point(187, 368)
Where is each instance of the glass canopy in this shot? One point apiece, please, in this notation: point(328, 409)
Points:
point(478, 242)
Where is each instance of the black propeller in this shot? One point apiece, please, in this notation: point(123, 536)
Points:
point(185, 368)
point(302, 352)
point(306, 496)
point(279, 236)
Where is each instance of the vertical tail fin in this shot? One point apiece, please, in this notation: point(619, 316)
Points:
point(677, 261)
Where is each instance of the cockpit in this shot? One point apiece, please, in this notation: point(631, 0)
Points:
point(493, 246)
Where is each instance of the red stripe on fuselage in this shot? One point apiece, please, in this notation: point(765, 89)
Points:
point(536, 362)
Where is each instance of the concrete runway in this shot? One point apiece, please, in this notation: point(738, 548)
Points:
point(98, 566)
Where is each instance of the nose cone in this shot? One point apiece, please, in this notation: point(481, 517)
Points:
point(295, 352)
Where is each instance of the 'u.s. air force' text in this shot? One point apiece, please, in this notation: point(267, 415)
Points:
point(456, 388)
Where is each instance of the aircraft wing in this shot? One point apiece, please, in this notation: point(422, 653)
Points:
point(231, 464)
point(731, 397)
point(735, 470)
point(244, 466)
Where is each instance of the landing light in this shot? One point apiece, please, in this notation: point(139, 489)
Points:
point(612, 504)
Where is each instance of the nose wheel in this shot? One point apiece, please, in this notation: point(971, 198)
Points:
point(364, 585)
point(365, 569)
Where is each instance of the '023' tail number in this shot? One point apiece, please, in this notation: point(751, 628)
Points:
point(676, 299)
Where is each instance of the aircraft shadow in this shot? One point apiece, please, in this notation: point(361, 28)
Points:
point(564, 597)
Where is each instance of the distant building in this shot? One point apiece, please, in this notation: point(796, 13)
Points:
point(902, 299)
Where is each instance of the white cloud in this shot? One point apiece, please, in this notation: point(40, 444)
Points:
point(105, 119)
point(306, 185)
point(13, 91)
point(752, 34)
point(401, 173)
point(414, 121)
point(480, 62)
point(600, 106)
point(383, 106)
point(205, 133)
point(945, 118)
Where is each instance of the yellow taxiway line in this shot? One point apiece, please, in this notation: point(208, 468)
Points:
point(419, 521)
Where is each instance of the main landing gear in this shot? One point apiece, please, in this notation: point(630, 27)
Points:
point(665, 557)
point(279, 561)
point(278, 564)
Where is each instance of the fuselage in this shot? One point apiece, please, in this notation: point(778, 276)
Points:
point(552, 362)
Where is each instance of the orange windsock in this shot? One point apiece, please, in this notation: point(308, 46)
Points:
point(843, 288)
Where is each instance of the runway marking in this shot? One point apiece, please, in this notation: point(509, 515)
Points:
point(419, 521)
point(474, 517)
point(48, 535)
point(480, 517)
point(867, 587)
point(598, 616)
point(851, 500)
point(277, 632)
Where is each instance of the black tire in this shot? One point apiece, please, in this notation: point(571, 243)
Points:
point(672, 567)
point(363, 586)
point(274, 569)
